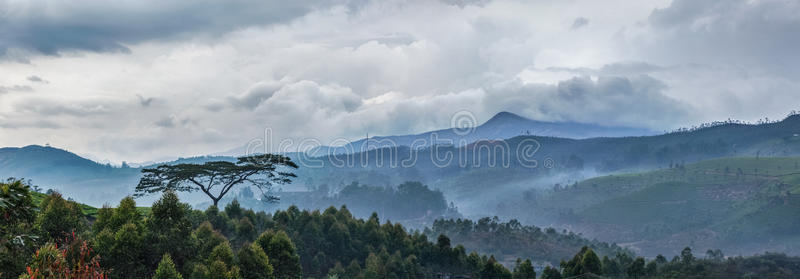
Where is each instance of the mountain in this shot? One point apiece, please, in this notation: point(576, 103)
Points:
point(466, 179)
point(503, 125)
point(54, 168)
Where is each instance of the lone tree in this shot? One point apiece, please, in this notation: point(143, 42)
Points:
point(217, 178)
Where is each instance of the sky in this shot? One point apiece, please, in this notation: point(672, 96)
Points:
point(144, 80)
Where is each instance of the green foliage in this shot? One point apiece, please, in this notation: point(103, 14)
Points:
point(317, 243)
point(489, 235)
point(591, 263)
point(16, 205)
point(120, 238)
point(637, 269)
point(254, 263)
point(408, 202)
point(494, 270)
point(169, 229)
point(166, 269)
point(222, 253)
point(686, 256)
point(585, 262)
point(245, 230)
point(205, 239)
point(683, 266)
point(523, 270)
point(219, 270)
point(337, 271)
point(17, 214)
point(59, 218)
point(550, 273)
point(282, 254)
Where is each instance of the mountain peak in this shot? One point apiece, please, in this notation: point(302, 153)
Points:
point(505, 116)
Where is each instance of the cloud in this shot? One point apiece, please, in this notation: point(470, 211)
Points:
point(256, 94)
point(465, 3)
point(145, 102)
point(15, 88)
point(52, 27)
point(581, 99)
point(49, 107)
point(166, 122)
point(16, 124)
point(579, 22)
point(759, 35)
point(36, 79)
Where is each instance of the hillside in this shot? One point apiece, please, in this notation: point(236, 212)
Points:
point(730, 203)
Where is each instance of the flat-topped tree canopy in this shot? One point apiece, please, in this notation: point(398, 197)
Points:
point(217, 178)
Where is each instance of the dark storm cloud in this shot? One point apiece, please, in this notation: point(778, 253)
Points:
point(51, 27)
point(755, 34)
point(579, 22)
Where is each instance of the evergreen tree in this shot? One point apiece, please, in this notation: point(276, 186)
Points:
point(222, 253)
point(205, 239)
point(166, 269)
point(550, 273)
point(591, 263)
point(686, 256)
point(282, 254)
point(494, 270)
point(337, 271)
point(121, 240)
point(373, 267)
point(524, 270)
point(353, 270)
point(637, 268)
point(59, 218)
point(254, 263)
point(169, 228)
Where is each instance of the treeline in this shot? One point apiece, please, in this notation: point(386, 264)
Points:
point(586, 264)
point(410, 202)
point(490, 236)
point(172, 240)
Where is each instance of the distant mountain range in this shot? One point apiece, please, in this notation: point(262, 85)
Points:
point(97, 183)
point(503, 125)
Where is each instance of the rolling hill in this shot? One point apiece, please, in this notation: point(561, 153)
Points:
point(738, 204)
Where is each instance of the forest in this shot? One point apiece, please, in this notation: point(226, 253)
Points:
point(48, 236)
